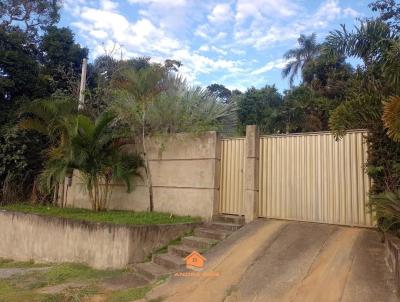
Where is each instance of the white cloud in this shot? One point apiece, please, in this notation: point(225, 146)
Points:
point(108, 5)
point(207, 36)
point(221, 13)
point(204, 47)
point(278, 63)
point(348, 11)
point(260, 8)
point(163, 2)
point(219, 50)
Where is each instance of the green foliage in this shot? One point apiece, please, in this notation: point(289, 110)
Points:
point(261, 107)
point(94, 148)
point(115, 217)
point(391, 117)
point(389, 12)
point(387, 208)
point(61, 58)
point(222, 93)
point(21, 159)
point(305, 111)
point(29, 16)
point(328, 76)
point(371, 42)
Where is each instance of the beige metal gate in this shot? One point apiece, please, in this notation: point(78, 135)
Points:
point(312, 177)
point(232, 175)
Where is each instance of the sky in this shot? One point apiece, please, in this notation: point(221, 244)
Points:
point(237, 43)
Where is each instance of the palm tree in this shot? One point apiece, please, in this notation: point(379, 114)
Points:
point(298, 57)
point(141, 87)
point(368, 41)
point(47, 116)
point(92, 148)
point(391, 117)
point(154, 101)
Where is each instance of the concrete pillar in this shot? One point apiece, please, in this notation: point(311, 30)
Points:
point(251, 173)
point(217, 172)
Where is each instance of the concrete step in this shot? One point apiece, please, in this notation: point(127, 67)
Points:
point(225, 226)
point(181, 250)
point(198, 242)
point(229, 218)
point(211, 233)
point(169, 261)
point(151, 270)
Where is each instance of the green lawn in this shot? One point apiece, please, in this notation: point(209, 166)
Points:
point(116, 217)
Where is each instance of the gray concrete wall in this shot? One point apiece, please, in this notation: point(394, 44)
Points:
point(25, 237)
point(185, 174)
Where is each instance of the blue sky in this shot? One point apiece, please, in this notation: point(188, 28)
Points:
point(238, 43)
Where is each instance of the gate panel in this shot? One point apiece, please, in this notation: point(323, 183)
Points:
point(313, 177)
point(232, 175)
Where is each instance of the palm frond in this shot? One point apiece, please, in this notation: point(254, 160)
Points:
point(391, 117)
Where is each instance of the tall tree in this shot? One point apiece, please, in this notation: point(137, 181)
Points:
point(389, 11)
point(261, 107)
point(29, 16)
point(298, 57)
point(142, 85)
point(222, 93)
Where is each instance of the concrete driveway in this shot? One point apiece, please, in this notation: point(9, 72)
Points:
point(271, 260)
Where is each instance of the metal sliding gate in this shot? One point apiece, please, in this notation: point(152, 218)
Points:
point(306, 177)
point(232, 175)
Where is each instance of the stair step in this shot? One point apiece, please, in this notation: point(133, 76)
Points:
point(229, 218)
point(169, 261)
point(198, 242)
point(225, 226)
point(151, 270)
point(211, 233)
point(181, 250)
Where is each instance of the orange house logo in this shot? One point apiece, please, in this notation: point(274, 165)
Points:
point(195, 261)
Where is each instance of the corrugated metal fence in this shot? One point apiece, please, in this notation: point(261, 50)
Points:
point(306, 177)
point(313, 177)
point(232, 175)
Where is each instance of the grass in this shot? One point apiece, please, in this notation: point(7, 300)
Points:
point(7, 263)
point(127, 295)
point(115, 217)
point(26, 287)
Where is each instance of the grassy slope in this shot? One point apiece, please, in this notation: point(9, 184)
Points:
point(117, 217)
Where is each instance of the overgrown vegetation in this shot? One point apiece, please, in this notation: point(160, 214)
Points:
point(117, 217)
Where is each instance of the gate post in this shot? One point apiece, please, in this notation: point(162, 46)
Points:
point(251, 167)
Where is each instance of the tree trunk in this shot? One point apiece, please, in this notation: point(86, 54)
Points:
point(147, 164)
point(56, 192)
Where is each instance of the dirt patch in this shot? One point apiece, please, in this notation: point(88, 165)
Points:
point(9, 272)
point(124, 282)
point(56, 289)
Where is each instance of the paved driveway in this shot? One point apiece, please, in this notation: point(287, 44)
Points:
point(271, 260)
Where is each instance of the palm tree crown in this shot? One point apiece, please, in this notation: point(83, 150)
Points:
point(308, 49)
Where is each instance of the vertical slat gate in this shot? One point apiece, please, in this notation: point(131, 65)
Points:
point(232, 176)
point(313, 177)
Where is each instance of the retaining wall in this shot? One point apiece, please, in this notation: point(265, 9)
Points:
point(25, 237)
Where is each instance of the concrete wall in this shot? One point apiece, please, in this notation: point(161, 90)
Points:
point(185, 173)
point(25, 237)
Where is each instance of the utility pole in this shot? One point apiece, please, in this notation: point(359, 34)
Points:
point(83, 84)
